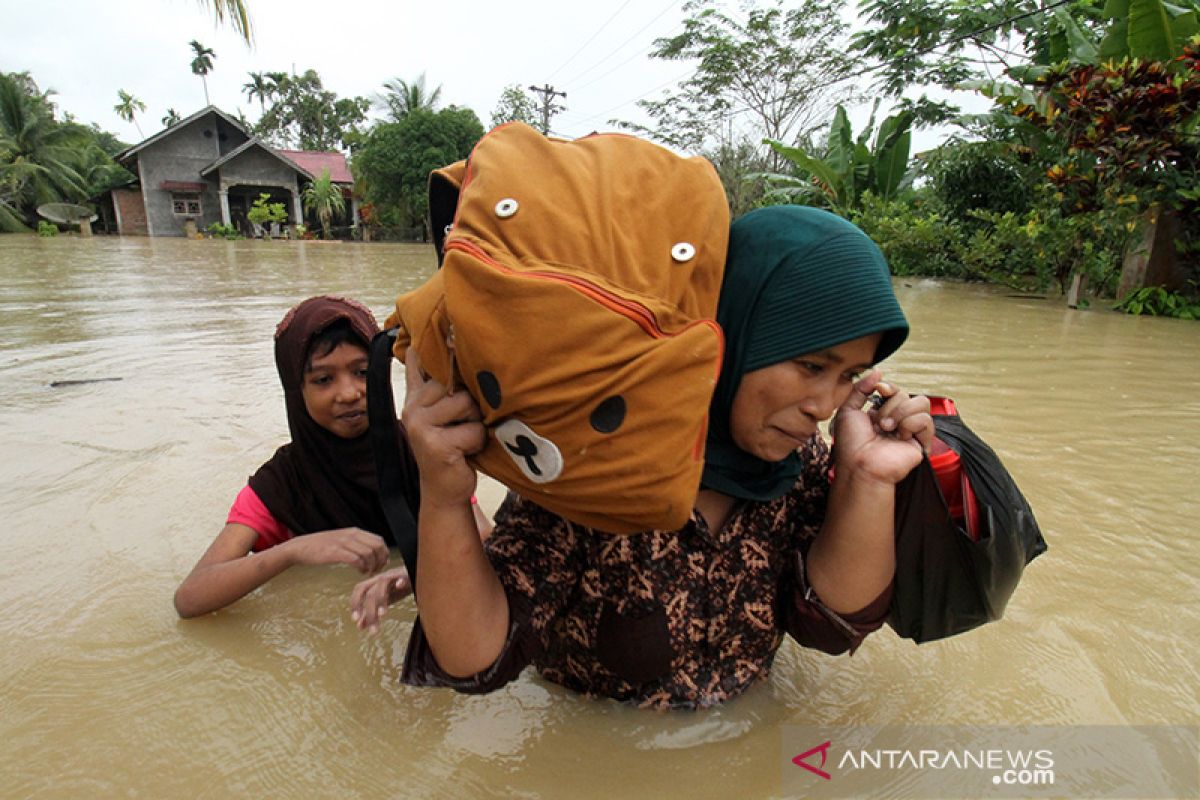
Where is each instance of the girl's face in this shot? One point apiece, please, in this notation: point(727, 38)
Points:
point(777, 408)
point(335, 390)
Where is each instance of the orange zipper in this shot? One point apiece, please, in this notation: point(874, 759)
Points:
point(628, 308)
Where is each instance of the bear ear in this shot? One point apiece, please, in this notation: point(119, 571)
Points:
point(444, 185)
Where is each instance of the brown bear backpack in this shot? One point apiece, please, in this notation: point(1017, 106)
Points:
point(578, 282)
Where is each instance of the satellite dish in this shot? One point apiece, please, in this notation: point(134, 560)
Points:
point(66, 213)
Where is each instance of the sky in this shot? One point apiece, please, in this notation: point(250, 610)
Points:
point(597, 52)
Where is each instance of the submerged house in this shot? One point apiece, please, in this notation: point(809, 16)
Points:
point(207, 168)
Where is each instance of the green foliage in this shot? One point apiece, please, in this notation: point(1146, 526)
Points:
point(774, 69)
point(1156, 301)
point(202, 64)
point(219, 230)
point(264, 212)
point(849, 166)
point(978, 176)
point(515, 105)
point(305, 115)
point(742, 168)
point(1032, 251)
point(128, 108)
point(400, 98)
point(324, 197)
point(1147, 29)
point(394, 162)
point(46, 229)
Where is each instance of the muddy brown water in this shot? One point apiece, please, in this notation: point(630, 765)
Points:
point(111, 489)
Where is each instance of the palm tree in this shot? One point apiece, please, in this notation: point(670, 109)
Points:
point(36, 154)
point(129, 108)
point(235, 11)
point(202, 64)
point(324, 197)
point(172, 118)
point(401, 98)
point(258, 86)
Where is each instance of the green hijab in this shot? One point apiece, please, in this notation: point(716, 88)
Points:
point(797, 280)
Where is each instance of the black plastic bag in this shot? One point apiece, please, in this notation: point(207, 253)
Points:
point(946, 583)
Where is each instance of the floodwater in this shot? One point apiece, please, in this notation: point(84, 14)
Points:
point(111, 490)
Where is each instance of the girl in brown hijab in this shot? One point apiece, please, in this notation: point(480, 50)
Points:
point(316, 501)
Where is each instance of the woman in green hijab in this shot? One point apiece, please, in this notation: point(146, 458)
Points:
point(695, 616)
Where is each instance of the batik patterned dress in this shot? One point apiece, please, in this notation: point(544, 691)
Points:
point(685, 618)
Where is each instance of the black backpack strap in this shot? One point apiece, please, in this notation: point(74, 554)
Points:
point(389, 468)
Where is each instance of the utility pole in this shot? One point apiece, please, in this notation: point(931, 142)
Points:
point(549, 108)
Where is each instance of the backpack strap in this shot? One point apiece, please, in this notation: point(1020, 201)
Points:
point(389, 469)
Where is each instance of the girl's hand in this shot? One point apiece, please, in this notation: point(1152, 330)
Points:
point(444, 428)
point(364, 551)
point(370, 598)
point(881, 443)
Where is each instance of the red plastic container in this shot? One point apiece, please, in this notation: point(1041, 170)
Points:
point(952, 478)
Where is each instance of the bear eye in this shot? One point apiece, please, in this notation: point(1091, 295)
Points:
point(489, 385)
point(609, 415)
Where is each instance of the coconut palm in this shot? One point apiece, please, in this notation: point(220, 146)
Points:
point(36, 153)
point(129, 108)
point(235, 12)
point(259, 86)
point(325, 198)
point(401, 98)
point(172, 118)
point(202, 64)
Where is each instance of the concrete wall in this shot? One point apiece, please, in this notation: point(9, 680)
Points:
point(256, 167)
point(180, 157)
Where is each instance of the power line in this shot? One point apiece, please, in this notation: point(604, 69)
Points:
point(620, 47)
point(583, 46)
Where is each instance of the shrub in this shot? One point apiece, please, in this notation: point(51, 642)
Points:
point(45, 228)
point(221, 231)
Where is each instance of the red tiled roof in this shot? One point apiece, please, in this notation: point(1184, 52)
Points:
point(317, 163)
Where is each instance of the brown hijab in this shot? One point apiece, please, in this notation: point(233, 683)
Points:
point(320, 481)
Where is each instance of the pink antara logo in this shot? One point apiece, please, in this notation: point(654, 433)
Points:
point(800, 761)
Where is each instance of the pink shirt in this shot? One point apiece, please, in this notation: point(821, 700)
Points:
point(249, 510)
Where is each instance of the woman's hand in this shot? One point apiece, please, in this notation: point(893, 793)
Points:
point(444, 428)
point(364, 551)
point(370, 598)
point(881, 443)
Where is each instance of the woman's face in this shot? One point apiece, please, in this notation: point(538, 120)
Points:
point(335, 390)
point(777, 408)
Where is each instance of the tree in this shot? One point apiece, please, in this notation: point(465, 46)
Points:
point(129, 108)
point(515, 105)
point(953, 45)
point(773, 72)
point(171, 118)
point(325, 198)
point(304, 114)
point(850, 166)
point(202, 64)
point(401, 98)
point(235, 12)
point(259, 86)
point(395, 160)
point(36, 152)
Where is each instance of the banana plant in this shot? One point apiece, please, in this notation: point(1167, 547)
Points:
point(850, 166)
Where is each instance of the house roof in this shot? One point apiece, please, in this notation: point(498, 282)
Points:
point(124, 155)
point(317, 162)
point(237, 151)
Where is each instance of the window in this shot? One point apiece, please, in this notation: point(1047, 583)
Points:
point(185, 204)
